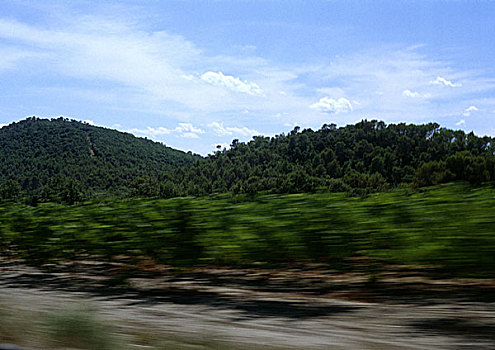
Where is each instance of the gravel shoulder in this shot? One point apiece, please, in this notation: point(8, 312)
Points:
point(303, 308)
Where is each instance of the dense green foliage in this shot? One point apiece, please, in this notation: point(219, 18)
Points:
point(68, 161)
point(450, 225)
point(63, 159)
point(367, 157)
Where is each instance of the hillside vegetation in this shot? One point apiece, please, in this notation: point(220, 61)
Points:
point(68, 161)
point(59, 158)
point(448, 226)
point(369, 156)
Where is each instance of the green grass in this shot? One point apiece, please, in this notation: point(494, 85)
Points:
point(451, 226)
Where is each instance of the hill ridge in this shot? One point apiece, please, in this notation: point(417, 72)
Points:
point(49, 158)
point(35, 151)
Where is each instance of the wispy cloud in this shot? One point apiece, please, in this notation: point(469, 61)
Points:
point(158, 64)
point(10, 57)
point(111, 51)
point(220, 130)
point(147, 70)
point(461, 122)
point(149, 131)
point(186, 130)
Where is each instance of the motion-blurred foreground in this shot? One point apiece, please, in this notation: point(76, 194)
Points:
point(316, 271)
point(452, 227)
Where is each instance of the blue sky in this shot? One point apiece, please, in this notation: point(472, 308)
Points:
point(195, 74)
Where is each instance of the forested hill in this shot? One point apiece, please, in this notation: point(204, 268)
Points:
point(366, 157)
point(66, 160)
point(45, 156)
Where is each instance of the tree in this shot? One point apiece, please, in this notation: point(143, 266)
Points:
point(10, 190)
point(62, 190)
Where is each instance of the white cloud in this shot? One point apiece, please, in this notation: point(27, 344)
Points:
point(2, 125)
point(149, 131)
point(189, 131)
point(186, 130)
point(332, 106)
point(409, 93)
point(414, 94)
point(445, 82)
point(220, 130)
point(461, 122)
point(232, 83)
point(469, 110)
point(90, 122)
point(377, 79)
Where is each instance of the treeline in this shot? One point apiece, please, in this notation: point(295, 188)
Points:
point(369, 156)
point(448, 226)
point(62, 159)
point(68, 161)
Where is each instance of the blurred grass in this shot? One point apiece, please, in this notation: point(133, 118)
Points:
point(58, 328)
point(451, 226)
point(78, 328)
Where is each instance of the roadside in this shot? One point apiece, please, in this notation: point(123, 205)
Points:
point(304, 308)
